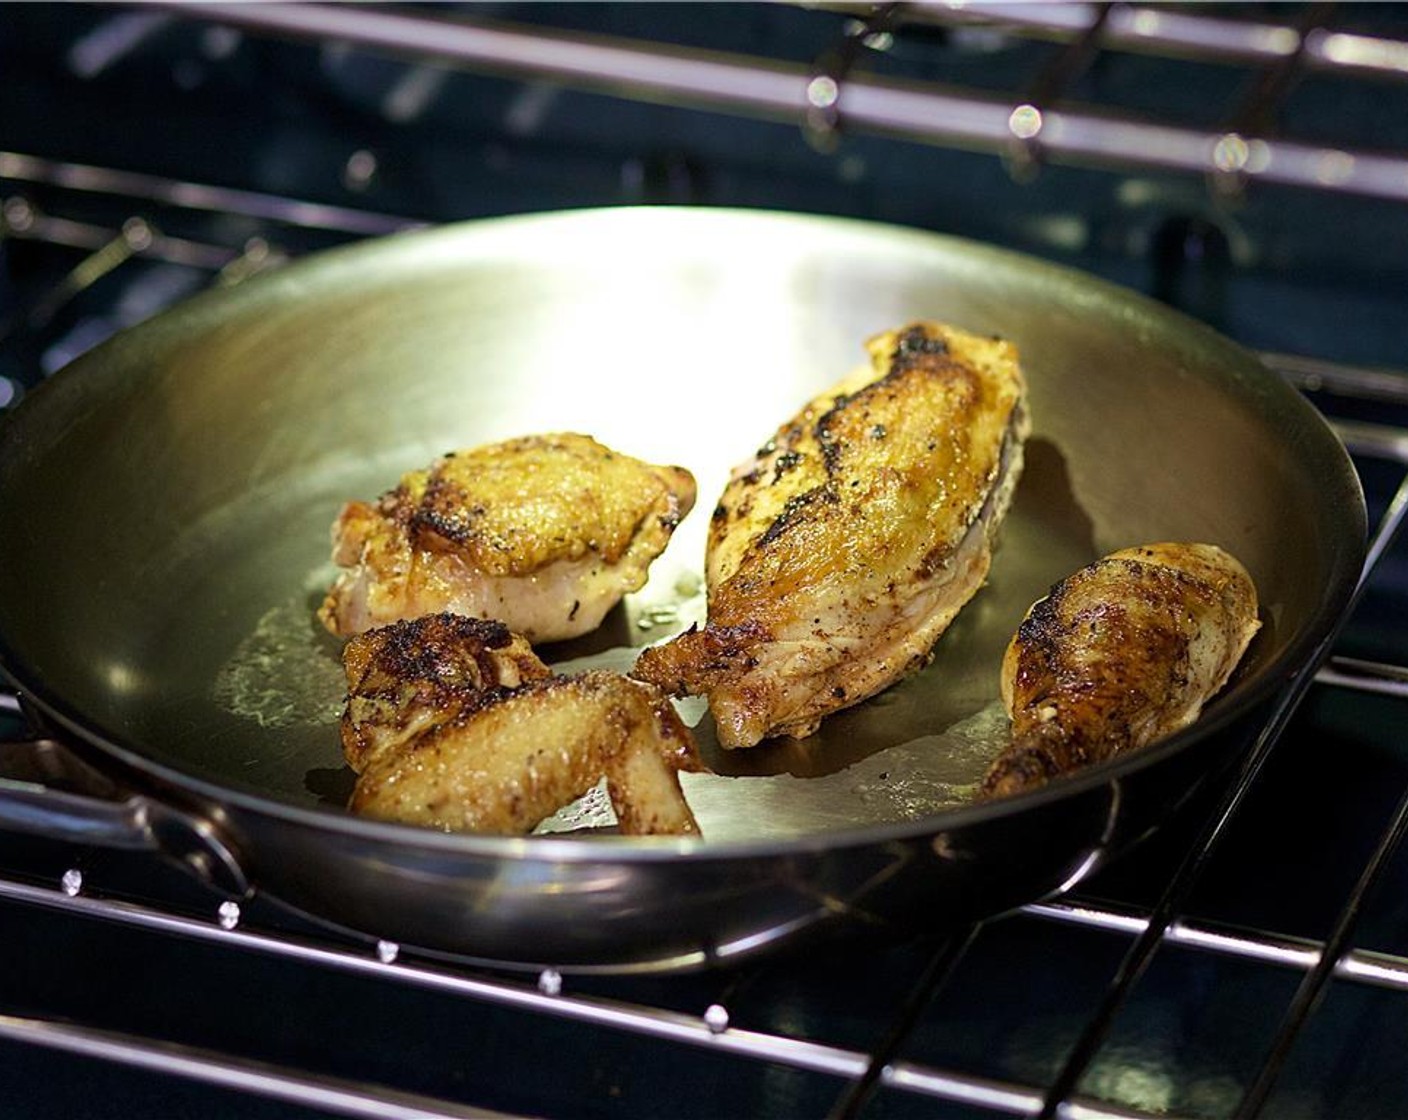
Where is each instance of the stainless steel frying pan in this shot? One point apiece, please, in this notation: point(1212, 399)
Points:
point(164, 515)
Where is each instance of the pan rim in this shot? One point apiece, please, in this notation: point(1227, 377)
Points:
point(1299, 656)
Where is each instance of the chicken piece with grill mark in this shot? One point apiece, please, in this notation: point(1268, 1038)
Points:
point(546, 533)
point(1122, 653)
point(838, 556)
point(454, 724)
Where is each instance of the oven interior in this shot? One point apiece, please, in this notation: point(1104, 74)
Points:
point(1246, 163)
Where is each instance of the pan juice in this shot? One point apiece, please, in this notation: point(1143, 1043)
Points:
point(284, 673)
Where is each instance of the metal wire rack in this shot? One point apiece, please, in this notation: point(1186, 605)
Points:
point(1033, 123)
point(701, 1015)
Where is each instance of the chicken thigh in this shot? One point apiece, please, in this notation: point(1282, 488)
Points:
point(545, 533)
point(1122, 653)
point(842, 551)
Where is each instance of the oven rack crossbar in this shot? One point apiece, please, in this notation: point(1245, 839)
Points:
point(1170, 33)
point(258, 1078)
point(139, 236)
point(1030, 125)
point(143, 187)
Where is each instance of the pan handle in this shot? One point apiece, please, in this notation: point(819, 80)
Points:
point(105, 814)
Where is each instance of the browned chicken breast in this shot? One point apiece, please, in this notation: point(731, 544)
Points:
point(454, 724)
point(840, 553)
point(545, 533)
point(1123, 652)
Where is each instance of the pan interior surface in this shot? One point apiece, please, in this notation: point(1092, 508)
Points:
point(167, 501)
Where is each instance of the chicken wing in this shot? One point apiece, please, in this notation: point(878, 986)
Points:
point(454, 724)
point(843, 550)
point(405, 679)
point(545, 533)
point(1122, 653)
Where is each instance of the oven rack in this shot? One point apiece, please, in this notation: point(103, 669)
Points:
point(1033, 123)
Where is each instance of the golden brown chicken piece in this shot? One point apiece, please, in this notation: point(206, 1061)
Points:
point(840, 553)
point(454, 724)
point(545, 533)
point(1122, 653)
point(405, 679)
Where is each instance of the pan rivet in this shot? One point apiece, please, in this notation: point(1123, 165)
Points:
point(550, 982)
point(229, 915)
point(386, 951)
point(72, 882)
point(716, 1018)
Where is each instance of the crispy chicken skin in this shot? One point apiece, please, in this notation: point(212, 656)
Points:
point(405, 679)
point(843, 550)
point(545, 533)
point(1122, 653)
point(454, 724)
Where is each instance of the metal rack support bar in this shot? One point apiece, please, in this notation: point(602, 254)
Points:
point(1051, 83)
point(88, 236)
point(1387, 531)
point(1160, 30)
point(1314, 375)
point(259, 1078)
point(1363, 966)
point(1365, 676)
point(198, 196)
point(1312, 986)
point(922, 112)
point(936, 973)
point(1262, 102)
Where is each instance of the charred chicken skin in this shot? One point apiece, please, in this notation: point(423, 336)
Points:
point(453, 723)
point(545, 533)
point(842, 551)
point(403, 680)
point(1124, 652)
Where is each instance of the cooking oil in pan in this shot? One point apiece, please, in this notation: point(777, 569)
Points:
point(283, 674)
